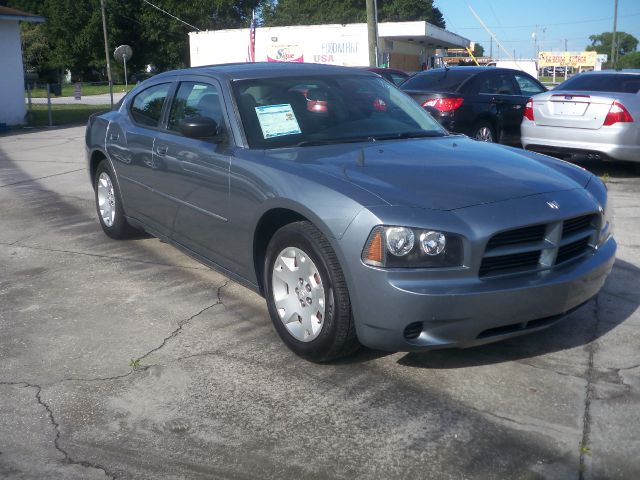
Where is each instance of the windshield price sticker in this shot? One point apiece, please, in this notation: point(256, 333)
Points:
point(277, 120)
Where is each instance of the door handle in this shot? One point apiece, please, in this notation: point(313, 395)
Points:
point(496, 100)
point(114, 137)
point(162, 150)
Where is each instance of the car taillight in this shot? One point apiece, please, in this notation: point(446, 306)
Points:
point(444, 104)
point(528, 110)
point(617, 113)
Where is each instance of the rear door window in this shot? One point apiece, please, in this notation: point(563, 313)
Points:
point(498, 84)
point(146, 108)
point(528, 87)
point(617, 83)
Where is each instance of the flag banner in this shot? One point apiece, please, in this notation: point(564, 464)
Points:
point(251, 49)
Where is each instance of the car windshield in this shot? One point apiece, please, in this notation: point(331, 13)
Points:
point(305, 111)
point(617, 83)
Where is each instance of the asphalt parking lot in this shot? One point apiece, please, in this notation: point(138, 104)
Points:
point(130, 360)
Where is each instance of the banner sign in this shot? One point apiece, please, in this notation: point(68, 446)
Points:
point(567, 59)
point(285, 53)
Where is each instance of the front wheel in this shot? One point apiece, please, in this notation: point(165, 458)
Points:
point(307, 295)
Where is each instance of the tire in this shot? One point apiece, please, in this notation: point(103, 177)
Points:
point(484, 132)
point(302, 268)
point(109, 204)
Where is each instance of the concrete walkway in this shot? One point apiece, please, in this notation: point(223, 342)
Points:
point(103, 99)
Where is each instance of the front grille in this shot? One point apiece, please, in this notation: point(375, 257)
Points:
point(572, 250)
point(531, 248)
point(534, 233)
point(577, 224)
point(509, 263)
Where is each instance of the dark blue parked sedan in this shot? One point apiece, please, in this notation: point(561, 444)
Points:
point(486, 103)
point(349, 208)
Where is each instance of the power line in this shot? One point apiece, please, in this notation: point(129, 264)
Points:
point(553, 24)
point(172, 16)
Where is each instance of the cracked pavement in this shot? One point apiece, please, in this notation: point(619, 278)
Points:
point(130, 360)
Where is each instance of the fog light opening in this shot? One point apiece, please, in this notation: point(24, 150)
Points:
point(413, 330)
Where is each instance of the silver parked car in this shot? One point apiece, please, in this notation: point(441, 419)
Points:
point(357, 216)
point(594, 114)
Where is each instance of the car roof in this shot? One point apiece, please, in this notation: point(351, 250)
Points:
point(243, 71)
point(381, 69)
point(625, 71)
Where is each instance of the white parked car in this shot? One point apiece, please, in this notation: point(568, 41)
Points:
point(594, 115)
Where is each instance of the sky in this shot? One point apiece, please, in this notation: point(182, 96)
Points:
point(514, 21)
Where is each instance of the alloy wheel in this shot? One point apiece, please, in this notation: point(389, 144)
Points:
point(298, 294)
point(106, 199)
point(484, 134)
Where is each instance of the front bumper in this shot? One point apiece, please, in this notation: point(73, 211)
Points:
point(456, 307)
point(617, 142)
point(464, 314)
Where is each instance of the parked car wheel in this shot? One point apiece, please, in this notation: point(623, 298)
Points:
point(109, 204)
point(307, 295)
point(484, 132)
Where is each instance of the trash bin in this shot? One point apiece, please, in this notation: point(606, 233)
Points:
point(55, 89)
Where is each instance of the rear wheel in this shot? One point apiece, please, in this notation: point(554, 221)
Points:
point(484, 132)
point(109, 204)
point(307, 294)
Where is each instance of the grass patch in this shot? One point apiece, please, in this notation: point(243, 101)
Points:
point(64, 114)
point(68, 90)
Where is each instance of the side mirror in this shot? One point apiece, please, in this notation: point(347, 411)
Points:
point(198, 127)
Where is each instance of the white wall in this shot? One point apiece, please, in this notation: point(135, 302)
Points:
point(329, 44)
point(12, 106)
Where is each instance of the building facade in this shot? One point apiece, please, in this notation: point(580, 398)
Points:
point(402, 45)
point(12, 102)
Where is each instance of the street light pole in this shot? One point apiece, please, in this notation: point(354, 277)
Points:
point(106, 51)
point(372, 33)
point(614, 50)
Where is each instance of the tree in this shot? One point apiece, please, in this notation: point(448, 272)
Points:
point(478, 50)
point(309, 12)
point(73, 30)
point(626, 43)
point(410, 10)
point(630, 60)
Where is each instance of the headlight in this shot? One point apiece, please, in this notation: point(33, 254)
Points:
point(598, 189)
point(606, 230)
point(396, 247)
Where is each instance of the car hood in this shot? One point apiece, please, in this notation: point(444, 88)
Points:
point(442, 173)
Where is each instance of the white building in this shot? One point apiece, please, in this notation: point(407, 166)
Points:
point(402, 45)
point(12, 105)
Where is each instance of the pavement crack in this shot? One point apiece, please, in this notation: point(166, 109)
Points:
point(97, 379)
point(180, 326)
point(589, 394)
point(41, 178)
point(68, 459)
point(108, 257)
point(550, 370)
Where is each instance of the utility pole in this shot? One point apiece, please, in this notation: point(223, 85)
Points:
point(614, 50)
point(372, 33)
point(106, 51)
point(491, 48)
point(565, 44)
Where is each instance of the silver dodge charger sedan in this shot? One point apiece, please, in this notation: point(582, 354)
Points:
point(594, 115)
point(362, 221)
